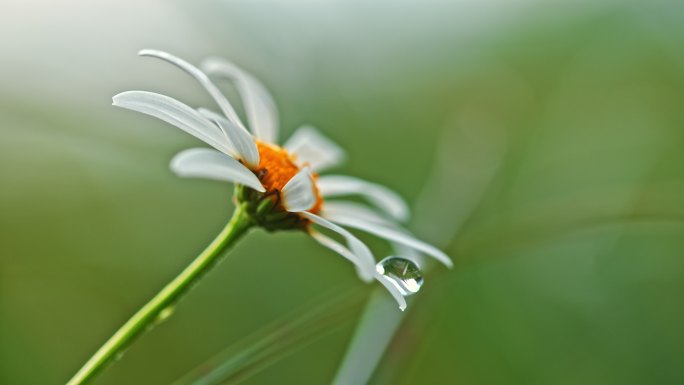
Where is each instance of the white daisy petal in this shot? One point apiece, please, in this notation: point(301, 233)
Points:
point(393, 290)
point(366, 262)
point(357, 210)
point(409, 253)
point(210, 164)
point(341, 250)
point(380, 196)
point(201, 77)
point(259, 105)
point(299, 194)
point(314, 149)
point(176, 113)
point(394, 235)
point(244, 144)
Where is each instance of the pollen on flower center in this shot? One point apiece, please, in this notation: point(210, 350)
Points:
point(277, 167)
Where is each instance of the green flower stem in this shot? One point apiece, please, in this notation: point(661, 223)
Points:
point(159, 306)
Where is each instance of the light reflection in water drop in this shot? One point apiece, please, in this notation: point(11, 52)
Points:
point(403, 273)
point(165, 314)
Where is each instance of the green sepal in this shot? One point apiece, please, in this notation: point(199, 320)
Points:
point(265, 206)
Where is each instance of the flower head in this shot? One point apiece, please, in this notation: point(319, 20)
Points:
point(279, 186)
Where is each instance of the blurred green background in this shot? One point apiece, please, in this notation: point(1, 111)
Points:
point(541, 144)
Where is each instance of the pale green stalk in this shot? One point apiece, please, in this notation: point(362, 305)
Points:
point(471, 166)
point(158, 307)
point(378, 324)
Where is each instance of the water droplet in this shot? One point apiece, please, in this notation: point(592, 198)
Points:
point(403, 273)
point(164, 314)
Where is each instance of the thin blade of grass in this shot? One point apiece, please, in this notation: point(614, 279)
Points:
point(277, 340)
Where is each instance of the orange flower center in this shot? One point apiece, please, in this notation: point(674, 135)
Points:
point(277, 167)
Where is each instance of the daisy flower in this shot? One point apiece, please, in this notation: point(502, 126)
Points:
point(279, 186)
point(276, 188)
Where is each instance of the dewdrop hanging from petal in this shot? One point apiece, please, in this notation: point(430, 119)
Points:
point(279, 186)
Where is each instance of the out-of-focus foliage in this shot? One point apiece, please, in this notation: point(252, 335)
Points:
point(544, 145)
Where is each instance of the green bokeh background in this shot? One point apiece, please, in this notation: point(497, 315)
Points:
point(541, 145)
